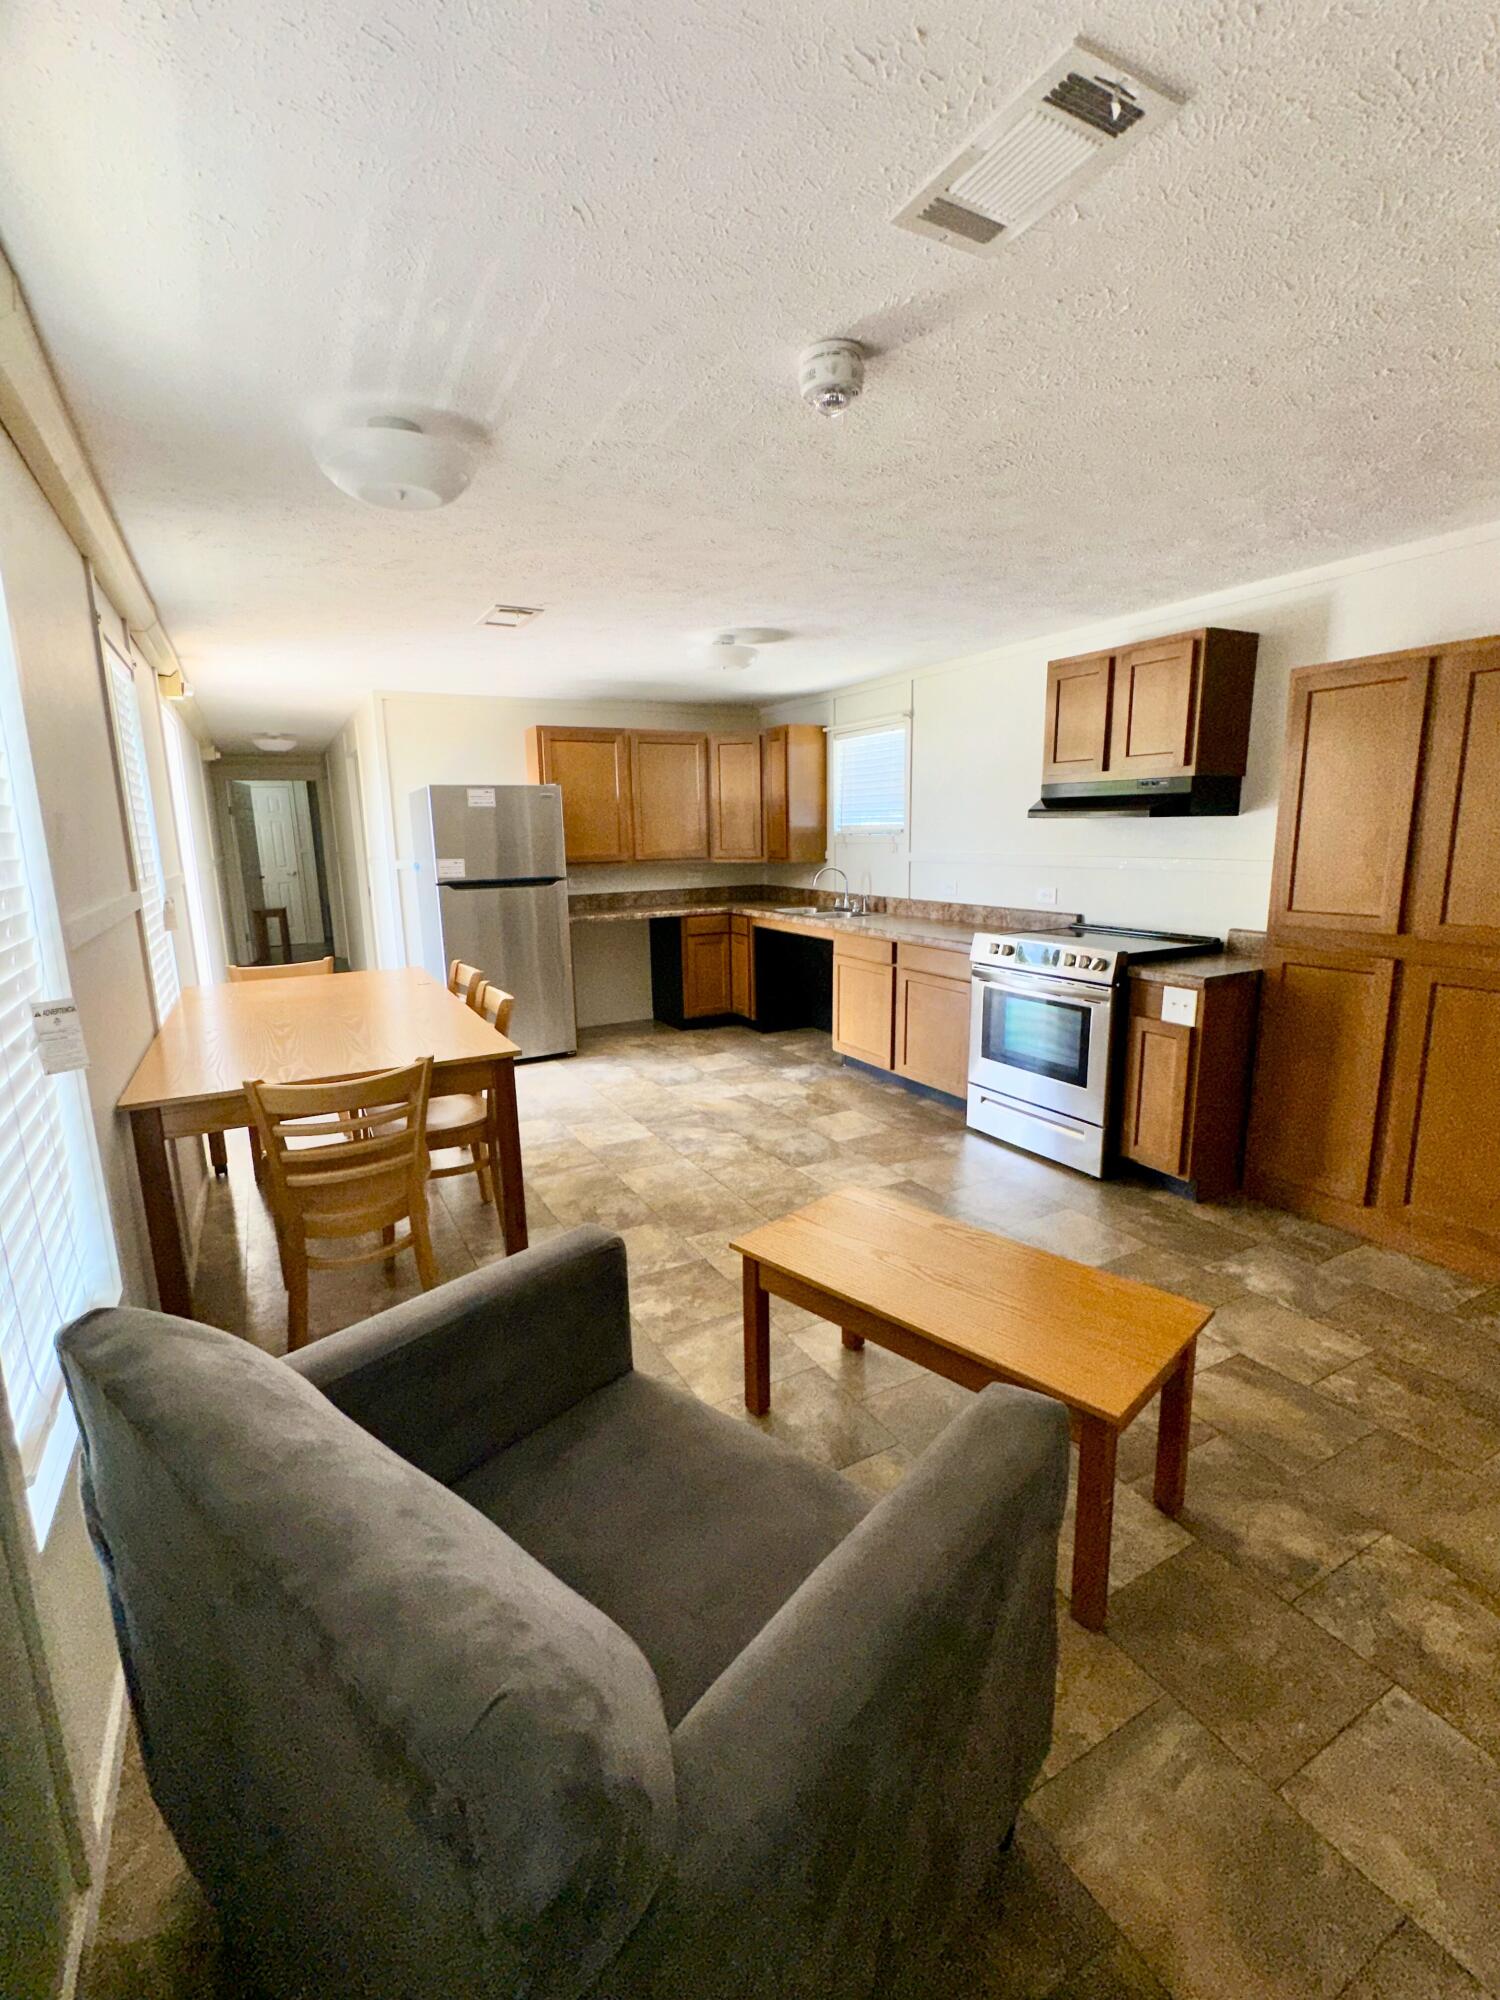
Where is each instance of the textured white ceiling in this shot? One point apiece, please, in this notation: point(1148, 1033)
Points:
point(603, 231)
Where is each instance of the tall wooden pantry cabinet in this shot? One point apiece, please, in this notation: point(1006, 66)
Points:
point(1377, 1090)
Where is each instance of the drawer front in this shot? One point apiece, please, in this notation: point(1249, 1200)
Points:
point(740, 926)
point(705, 926)
point(875, 951)
point(937, 961)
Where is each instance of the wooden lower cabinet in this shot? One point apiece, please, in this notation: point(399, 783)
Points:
point(1438, 1170)
point(706, 981)
point(932, 1018)
point(1153, 1114)
point(1324, 1020)
point(741, 968)
point(864, 987)
point(1186, 1087)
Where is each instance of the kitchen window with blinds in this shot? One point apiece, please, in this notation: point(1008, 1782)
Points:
point(869, 781)
point(145, 847)
point(57, 1254)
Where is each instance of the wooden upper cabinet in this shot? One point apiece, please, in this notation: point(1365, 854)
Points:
point(1177, 707)
point(1349, 780)
point(592, 767)
point(735, 823)
point(1323, 1025)
point(1078, 704)
point(794, 779)
point(1456, 888)
point(669, 772)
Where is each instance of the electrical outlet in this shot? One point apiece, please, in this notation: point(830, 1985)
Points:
point(1046, 899)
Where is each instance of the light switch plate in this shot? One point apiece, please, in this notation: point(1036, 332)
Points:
point(1180, 1004)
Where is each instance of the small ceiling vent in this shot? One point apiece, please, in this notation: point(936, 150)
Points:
point(510, 617)
point(1074, 121)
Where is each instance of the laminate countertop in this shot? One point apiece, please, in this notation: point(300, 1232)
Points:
point(1196, 971)
point(899, 930)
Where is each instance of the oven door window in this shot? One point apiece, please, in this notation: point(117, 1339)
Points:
point(1047, 1037)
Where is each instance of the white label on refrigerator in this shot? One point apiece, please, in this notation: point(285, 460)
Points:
point(59, 1036)
point(450, 871)
point(1180, 1004)
point(482, 798)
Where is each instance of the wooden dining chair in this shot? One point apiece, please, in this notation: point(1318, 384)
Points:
point(343, 1160)
point(462, 1123)
point(464, 980)
point(311, 967)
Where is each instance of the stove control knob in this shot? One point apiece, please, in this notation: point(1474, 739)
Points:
point(1101, 965)
point(1005, 950)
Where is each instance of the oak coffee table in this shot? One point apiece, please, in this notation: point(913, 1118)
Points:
point(979, 1308)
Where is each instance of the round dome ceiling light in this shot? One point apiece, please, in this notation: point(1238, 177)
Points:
point(393, 462)
point(275, 744)
point(730, 652)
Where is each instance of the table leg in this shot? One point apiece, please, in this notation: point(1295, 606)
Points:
point(1093, 1520)
point(173, 1293)
point(505, 1156)
point(757, 1342)
point(217, 1153)
point(853, 1341)
point(1172, 1427)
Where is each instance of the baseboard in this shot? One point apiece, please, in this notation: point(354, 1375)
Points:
point(106, 1791)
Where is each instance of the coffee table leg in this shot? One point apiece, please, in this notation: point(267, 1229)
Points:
point(1093, 1520)
point(757, 1342)
point(1172, 1427)
point(853, 1341)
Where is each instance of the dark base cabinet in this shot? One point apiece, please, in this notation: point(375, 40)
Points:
point(793, 980)
point(709, 970)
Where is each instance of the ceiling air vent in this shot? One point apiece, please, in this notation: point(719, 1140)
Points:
point(1075, 120)
point(510, 617)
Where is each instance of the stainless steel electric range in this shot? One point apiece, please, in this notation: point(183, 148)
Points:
point(1044, 1029)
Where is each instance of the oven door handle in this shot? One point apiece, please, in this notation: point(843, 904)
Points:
point(1044, 989)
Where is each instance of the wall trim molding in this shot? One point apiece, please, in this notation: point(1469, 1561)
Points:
point(85, 925)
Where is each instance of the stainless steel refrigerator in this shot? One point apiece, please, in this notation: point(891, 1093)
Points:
point(492, 889)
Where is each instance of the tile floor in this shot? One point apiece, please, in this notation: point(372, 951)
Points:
point(1275, 1776)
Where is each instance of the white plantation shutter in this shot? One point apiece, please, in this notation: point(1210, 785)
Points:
point(869, 781)
point(130, 739)
point(56, 1250)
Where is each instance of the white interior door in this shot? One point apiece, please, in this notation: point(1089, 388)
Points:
point(288, 871)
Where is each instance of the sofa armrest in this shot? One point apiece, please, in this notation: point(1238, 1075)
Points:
point(453, 1376)
point(846, 1783)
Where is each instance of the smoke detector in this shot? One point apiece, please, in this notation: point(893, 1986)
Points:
point(393, 462)
point(1078, 118)
point(831, 374)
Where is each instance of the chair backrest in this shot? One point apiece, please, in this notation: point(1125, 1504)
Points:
point(464, 980)
point(385, 1738)
point(310, 968)
point(360, 1160)
point(495, 1005)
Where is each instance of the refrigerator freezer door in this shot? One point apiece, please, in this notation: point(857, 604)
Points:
point(499, 833)
point(520, 938)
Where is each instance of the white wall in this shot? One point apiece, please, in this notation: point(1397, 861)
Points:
point(977, 743)
point(464, 739)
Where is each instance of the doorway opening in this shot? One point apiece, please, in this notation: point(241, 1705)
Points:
point(278, 871)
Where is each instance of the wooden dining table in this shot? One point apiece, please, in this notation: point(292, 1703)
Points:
point(218, 1038)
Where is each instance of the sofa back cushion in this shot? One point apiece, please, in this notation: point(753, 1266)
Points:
point(399, 1755)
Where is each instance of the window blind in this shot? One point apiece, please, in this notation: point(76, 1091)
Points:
point(130, 738)
point(56, 1251)
point(869, 781)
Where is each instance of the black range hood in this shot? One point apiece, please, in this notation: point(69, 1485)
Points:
point(1140, 798)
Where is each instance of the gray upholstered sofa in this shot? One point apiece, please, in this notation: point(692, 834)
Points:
point(469, 1662)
